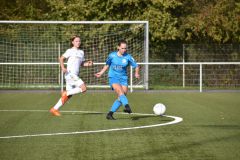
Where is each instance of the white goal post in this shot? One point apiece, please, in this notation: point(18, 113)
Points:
point(29, 50)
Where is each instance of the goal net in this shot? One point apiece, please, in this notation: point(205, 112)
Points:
point(29, 50)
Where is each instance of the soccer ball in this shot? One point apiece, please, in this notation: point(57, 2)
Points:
point(159, 109)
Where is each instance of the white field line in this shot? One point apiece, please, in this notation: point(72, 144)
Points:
point(176, 120)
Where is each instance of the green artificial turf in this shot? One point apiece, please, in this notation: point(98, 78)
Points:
point(210, 129)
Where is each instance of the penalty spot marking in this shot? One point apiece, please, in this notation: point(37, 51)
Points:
point(175, 121)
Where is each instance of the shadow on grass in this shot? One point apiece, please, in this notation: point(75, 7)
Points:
point(126, 116)
point(118, 116)
point(134, 118)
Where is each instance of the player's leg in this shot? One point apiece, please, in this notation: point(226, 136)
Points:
point(120, 93)
point(72, 87)
point(122, 99)
point(123, 95)
point(79, 86)
point(127, 107)
point(117, 103)
point(114, 82)
point(64, 98)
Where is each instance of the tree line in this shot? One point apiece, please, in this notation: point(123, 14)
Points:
point(171, 22)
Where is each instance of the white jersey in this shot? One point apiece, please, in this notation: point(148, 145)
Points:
point(75, 58)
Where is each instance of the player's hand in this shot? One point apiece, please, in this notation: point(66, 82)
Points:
point(64, 70)
point(137, 75)
point(89, 63)
point(98, 74)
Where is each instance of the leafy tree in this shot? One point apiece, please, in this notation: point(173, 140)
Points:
point(215, 21)
point(170, 21)
point(23, 10)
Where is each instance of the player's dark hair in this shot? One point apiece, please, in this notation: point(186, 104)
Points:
point(122, 41)
point(72, 39)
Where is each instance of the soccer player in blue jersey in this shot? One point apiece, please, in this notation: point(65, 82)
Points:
point(117, 62)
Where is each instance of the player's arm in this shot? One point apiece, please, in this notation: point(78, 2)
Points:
point(99, 74)
point(87, 63)
point(61, 61)
point(137, 75)
point(135, 65)
point(106, 66)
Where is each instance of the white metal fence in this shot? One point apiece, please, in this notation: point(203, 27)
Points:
point(209, 75)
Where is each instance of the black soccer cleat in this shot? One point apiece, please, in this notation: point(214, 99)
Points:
point(109, 116)
point(127, 109)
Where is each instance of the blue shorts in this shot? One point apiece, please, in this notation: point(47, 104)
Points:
point(121, 81)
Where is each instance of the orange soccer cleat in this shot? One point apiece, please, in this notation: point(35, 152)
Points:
point(55, 112)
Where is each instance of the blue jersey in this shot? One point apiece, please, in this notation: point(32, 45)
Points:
point(118, 64)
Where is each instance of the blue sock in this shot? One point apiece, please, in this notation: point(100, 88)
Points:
point(123, 99)
point(116, 105)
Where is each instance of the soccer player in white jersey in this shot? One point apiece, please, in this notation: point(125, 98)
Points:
point(74, 84)
point(118, 61)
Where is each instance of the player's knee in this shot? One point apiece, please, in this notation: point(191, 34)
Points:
point(119, 92)
point(84, 88)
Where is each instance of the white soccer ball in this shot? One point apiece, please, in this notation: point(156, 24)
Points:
point(159, 109)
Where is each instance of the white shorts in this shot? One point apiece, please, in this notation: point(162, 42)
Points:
point(72, 81)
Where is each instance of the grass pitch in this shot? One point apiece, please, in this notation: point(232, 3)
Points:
point(210, 129)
